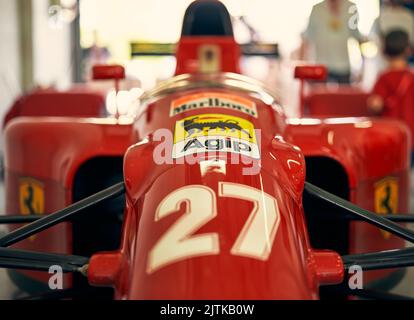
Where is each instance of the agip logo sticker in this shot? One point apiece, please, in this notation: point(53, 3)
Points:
point(215, 133)
point(213, 100)
point(386, 199)
point(31, 197)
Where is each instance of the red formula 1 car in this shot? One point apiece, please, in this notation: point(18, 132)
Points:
point(209, 192)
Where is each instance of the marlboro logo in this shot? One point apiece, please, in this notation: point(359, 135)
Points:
point(214, 101)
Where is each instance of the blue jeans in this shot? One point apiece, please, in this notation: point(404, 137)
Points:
point(412, 159)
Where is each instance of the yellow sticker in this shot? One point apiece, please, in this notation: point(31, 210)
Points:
point(214, 125)
point(31, 197)
point(386, 199)
point(215, 132)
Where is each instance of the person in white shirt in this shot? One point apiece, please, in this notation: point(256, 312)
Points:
point(393, 16)
point(331, 24)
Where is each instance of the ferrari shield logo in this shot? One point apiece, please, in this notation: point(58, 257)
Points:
point(209, 59)
point(31, 197)
point(386, 199)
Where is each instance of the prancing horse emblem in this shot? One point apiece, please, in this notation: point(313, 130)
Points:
point(191, 126)
point(31, 197)
point(386, 199)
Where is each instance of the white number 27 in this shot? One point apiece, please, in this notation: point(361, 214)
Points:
point(177, 244)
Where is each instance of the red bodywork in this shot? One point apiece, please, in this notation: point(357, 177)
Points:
point(51, 150)
point(52, 103)
point(343, 101)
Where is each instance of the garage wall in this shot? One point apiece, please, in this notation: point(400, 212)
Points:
point(52, 47)
point(48, 62)
point(51, 50)
point(9, 55)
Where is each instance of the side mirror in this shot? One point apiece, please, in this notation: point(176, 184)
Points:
point(328, 267)
point(104, 269)
point(108, 72)
point(314, 72)
point(303, 73)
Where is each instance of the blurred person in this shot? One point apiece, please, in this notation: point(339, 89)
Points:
point(394, 15)
point(393, 94)
point(409, 4)
point(331, 24)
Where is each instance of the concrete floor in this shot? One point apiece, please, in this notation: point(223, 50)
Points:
point(8, 290)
